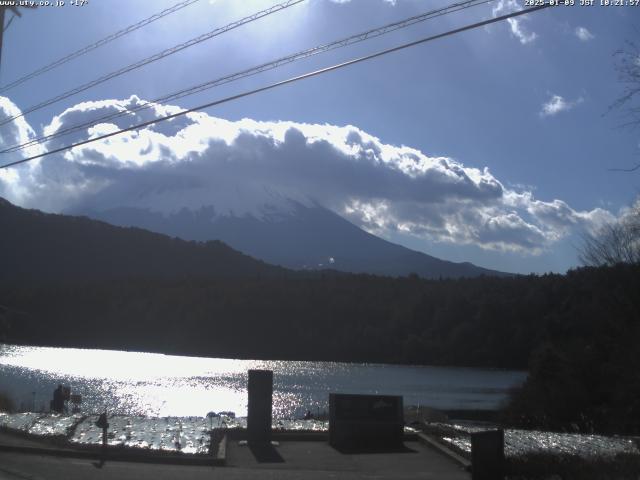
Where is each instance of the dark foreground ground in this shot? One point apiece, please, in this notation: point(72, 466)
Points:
point(290, 460)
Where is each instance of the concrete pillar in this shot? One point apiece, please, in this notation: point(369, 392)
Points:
point(260, 391)
point(487, 455)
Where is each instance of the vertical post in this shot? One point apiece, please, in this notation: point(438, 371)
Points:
point(487, 455)
point(2, 10)
point(260, 391)
point(104, 436)
point(104, 425)
point(16, 13)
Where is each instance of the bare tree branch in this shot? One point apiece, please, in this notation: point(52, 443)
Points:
point(615, 243)
point(628, 68)
point(632, 169)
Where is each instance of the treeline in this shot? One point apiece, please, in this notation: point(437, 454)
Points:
point(585, 375)
point(486, 322)
point(489, 322)
point(577, 333)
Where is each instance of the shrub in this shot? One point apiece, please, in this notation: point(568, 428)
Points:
point(6, 404)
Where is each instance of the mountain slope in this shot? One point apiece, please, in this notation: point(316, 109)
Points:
point(39, 248)
point(301, 237)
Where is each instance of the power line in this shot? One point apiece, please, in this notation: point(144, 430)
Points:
point(282, 83)
point(153, 58)
point(360, 37)
point(372, 33)
point(99, 43)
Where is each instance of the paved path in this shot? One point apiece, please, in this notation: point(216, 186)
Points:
point(290, 460)
point(319, 460)
point(20, 440)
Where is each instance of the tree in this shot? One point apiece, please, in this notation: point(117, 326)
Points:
point(616, 242)
point(628, 68)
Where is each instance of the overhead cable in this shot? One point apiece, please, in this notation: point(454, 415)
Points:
point(281, 83)
point(344, 42)
point(98, 44)
point(153, 58)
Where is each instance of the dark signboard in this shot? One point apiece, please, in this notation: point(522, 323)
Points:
point(362, 421)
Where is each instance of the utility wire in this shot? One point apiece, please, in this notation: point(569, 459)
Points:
point(97, 44)
point(153, 58)
point(360, 37)
point(283, 82)
point(8, 25)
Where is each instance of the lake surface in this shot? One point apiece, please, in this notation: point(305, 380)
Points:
point(155, 385)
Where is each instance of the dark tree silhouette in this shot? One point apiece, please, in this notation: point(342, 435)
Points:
point(616, 242)
point(628, 68)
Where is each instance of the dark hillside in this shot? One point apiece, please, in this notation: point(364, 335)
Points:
point(39, 248)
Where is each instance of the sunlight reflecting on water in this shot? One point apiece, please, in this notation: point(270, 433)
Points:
point(133, 383)
point(113, 364)
point(520, 443)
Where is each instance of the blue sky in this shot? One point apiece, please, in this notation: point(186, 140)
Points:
point(527, 102)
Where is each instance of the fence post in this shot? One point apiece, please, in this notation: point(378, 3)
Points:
point(487, 455)
point(260, 391)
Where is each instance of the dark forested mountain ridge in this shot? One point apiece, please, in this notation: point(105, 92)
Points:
point(38, 248)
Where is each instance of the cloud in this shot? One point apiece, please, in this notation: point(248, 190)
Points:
point(517, 25)
point(248, 167)
point(17, 132)
point(583, 34)
point(557, 104)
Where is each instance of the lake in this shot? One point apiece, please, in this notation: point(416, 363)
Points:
point(156, 385)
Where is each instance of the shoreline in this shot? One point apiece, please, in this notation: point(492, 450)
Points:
point(186, 354)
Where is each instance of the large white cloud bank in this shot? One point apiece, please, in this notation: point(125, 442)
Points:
point(239, 167)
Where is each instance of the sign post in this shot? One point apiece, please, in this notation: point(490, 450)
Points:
point(104, 425)
point(260, 391)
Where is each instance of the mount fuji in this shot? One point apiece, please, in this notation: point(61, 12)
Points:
point(293, 233)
